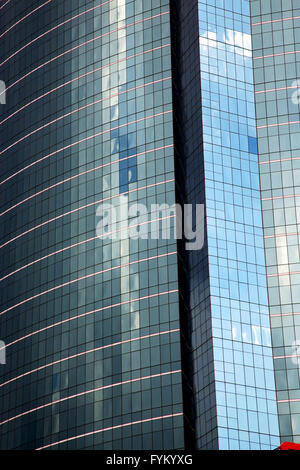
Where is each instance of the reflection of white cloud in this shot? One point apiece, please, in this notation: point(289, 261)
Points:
point(282, 255)
point(240, 42)
point(237, 38)
point(245, 336)
point(260, 335)
point(210, 35)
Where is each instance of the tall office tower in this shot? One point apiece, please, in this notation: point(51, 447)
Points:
point(117, 342)
point(276, 44)
point(235, 402)
point(91, 325)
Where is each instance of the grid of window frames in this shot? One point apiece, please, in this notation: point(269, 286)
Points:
point(91, 325)
point(243, 364)
point(276, 43)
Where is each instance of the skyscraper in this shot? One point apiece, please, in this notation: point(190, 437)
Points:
point(91, 326)
point(276, 41)
point(118, 342)
point(235, 403)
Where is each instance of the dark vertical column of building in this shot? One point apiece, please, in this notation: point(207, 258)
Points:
point(195, 300)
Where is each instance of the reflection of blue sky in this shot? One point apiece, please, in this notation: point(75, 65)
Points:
point(227, 87)
point(239, 310)
point(231, 57)
point(234, 42)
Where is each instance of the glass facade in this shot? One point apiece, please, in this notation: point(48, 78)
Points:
point(226, 296)
point(117, 342)
point(91, 325)
point(276, 45)
point(243, 366)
